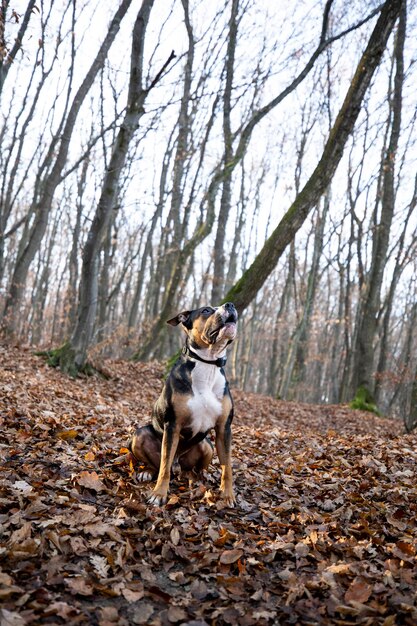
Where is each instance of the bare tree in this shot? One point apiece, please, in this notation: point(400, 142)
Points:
point(225, 200)
point(252, 280)
point(73, 355)
point(199, 190)
point(295, 365)
point(8, 56)
point(363, 367)
point(224, 171)
point(53, 167)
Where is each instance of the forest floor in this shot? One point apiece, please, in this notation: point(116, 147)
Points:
point(324, 531)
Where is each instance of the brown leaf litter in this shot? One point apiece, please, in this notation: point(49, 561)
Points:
point(324, 531)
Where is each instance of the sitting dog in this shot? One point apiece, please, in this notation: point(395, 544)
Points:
point(195, 399)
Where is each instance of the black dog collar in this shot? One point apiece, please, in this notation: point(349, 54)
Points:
point(220, 362)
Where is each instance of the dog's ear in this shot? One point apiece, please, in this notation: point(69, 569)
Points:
point(181, 318)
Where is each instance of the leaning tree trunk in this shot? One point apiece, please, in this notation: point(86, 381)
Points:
point(245, 290)
point(74, 354)
point(223, 171)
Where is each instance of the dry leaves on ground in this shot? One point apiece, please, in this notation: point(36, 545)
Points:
point(324, 531)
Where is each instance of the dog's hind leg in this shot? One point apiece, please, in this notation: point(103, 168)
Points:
point(146, 448)
point(193, 463)
point(198, 457)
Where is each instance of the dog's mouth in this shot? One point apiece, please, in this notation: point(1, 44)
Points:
point(223, 328)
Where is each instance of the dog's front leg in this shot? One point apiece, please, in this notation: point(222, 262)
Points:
point(224, 451)
point(169, 447)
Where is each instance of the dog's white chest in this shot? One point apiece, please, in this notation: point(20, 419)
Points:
point(206, 403)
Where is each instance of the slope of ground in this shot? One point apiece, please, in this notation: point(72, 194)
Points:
point(324, 531)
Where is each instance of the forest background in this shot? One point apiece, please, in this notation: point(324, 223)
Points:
point(157, 156)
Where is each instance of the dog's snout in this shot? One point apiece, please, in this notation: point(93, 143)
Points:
point(230, 310)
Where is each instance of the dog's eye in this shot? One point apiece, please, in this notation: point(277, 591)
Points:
point(207, 311)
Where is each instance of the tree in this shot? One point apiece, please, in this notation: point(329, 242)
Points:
point(7, 57)
point(244, 291)
point(364, 349)
point(223, 172)
point(53, 166)
point(73, 355)
point(225, 200)
point(295, 365)
point(214, 164)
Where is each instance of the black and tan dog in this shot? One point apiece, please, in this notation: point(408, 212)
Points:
point(195, 399)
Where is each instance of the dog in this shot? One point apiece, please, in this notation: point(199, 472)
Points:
point(195, 399)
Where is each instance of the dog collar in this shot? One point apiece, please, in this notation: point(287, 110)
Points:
point(220, 362)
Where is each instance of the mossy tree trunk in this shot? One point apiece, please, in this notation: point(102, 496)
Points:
point(245, 290)
point(223, 172)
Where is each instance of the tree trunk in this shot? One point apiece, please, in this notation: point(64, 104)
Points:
point(294, 369)
point(400, 264)
point(224, 171)
point(170, 268)
point(88, 292)
point(225, 201)
point(147, 252)
point(43, 204)
point(410, 420)
point(362, 375)
point(70, 309)
point(278, 340)
point(245, 290)
point(7, 58)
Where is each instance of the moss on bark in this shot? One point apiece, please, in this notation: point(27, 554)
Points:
point(64, 358)
point(364, 401)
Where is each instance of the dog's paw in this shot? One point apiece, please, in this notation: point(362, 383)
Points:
point(157, 499)
point(229, 499)
point(144, 477)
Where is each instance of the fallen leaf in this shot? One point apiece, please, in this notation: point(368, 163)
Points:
point(79, 586)
point(176, 614)
point(359, 591)
point(132, 596)
point(175, 536)
point(100, 564)
point(230, 556)
point(109, 614)
point(142, 613)
point(23, 486)
point(90, 480)
point(63, 609)
point(67, 435)
point(11, 618)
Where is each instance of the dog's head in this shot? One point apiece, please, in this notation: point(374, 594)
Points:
point(208, 327)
